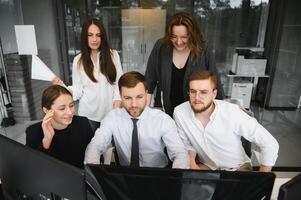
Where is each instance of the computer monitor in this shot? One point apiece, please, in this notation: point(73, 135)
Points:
point(153, 184)
point(291, 190)
point(29, 174)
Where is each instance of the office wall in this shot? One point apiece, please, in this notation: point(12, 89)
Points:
point(41, 15)
point(31, 12)
point(286, 82)
point(27, 95)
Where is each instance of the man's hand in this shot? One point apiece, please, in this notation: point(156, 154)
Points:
point(192, 157)
point(117, 104)
point(193, 165)
point(264, 168)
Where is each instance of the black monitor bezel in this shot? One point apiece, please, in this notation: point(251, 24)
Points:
point(26, 171)
point(176, 173)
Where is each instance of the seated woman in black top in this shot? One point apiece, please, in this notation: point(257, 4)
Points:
point(60, 134)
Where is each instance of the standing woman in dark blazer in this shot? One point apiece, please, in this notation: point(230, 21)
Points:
point(173, 58)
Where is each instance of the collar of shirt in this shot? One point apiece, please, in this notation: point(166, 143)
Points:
point(97, 64)
point(213, 114)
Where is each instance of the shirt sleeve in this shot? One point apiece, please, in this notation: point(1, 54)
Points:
point(153, 63)
point(175, 147)
point(182, 133)
point(250, 129)
point(119, 72)
point(77, 84)
point(100, 142)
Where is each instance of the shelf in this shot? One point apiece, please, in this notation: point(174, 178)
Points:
point(245, 75)
point(291, 25)
point(287, 51)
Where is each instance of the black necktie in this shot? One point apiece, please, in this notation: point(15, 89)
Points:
point(135, 145)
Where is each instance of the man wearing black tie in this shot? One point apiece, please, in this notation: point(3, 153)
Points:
point(140, 133)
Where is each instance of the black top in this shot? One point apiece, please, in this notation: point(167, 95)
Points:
point(159, 70)
point(68, 145)
point(177, 79)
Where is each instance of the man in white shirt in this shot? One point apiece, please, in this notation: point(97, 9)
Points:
point(155, 130)
point(211, 129)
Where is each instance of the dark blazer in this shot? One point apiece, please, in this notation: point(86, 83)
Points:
point(159, 69)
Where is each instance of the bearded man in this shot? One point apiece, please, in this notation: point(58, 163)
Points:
point(211, 129)
point(140, 133)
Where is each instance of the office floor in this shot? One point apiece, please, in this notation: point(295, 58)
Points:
point(285, 126)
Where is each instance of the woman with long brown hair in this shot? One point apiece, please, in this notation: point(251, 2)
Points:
point(96, 71)
point(173, 58)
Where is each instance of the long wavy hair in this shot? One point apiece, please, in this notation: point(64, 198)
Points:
point(196, 39)
point(107, 67)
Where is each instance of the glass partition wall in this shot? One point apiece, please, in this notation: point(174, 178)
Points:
point(132, 27)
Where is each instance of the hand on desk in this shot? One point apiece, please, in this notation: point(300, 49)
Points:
point(264, 168)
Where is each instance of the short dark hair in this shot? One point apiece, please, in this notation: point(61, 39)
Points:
point(51, 93)
point(202, 74)
point(131, 79)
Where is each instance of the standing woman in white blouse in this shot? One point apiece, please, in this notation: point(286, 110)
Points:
point(95, 73)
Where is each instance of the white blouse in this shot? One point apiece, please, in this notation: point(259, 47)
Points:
point(95, 99)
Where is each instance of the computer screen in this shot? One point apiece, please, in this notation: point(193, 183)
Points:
point(174, 184)
point(291, 190)
point(29, 174)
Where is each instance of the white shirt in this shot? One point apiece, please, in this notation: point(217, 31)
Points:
point(95, 99)
point(155, 131)
point(218, 145)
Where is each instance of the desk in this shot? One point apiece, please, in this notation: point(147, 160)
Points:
point(281, 178)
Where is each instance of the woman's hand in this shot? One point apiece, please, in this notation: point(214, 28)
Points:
point(47, 129)
point(117, 104)
point(57, 81)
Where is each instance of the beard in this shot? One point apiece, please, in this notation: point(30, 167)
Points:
point(135, 111)
point(202, 109)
